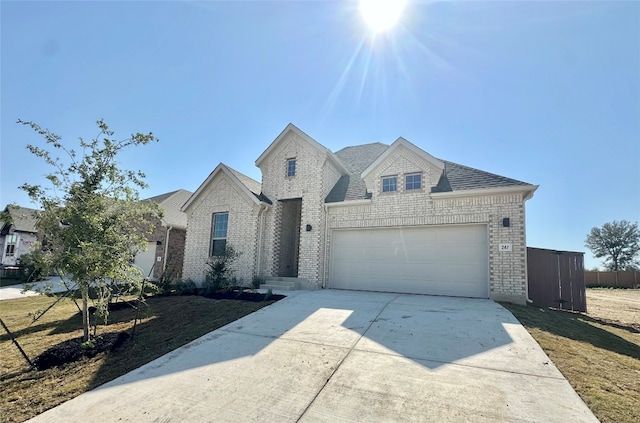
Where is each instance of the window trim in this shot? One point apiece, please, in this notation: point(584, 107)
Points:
point(291, 170)
point(388, 178)
point(406, 184)
point(214, 238)
point(10, 240)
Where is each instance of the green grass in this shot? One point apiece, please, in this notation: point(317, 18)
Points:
point(600, 359)
point(168, 323)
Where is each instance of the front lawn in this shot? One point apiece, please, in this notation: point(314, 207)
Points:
point(599, 358)
point(168, 323)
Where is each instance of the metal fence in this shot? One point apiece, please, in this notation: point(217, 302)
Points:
point(613, 279)
point(556, 279)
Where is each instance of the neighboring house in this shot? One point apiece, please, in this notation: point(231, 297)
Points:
point(17, 237)
point(165, 247)
point(369, 217)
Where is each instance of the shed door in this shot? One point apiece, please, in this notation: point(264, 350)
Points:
point(438, 260)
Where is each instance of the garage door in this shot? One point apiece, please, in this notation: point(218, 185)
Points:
point(145, 260)
point(438, 260)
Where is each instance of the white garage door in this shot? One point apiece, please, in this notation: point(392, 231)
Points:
point(145, 260)
point(438, 260)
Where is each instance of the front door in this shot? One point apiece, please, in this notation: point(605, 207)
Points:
point(290, 219)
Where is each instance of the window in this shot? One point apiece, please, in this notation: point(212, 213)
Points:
point(291, 167)
point(389, 184)
point(413, 181)
point(219, 233)
point(11, 244)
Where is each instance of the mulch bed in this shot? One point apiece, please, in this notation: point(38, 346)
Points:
point(72, 350)
point(244, 296)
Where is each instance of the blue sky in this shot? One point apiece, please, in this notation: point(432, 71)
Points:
point(543, 92)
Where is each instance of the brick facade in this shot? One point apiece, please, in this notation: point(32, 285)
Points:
point(315, 176)
point(169, 257)
point(221, 196)
point(507, 270)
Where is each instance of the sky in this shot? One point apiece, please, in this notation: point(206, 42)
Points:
point(543, 92)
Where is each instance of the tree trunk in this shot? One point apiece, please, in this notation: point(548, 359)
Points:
point(85, 311)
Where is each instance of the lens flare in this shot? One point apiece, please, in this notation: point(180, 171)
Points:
point(381, 15)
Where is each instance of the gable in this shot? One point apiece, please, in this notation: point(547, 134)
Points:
point(403, 158)
point(225, 171)
point(292, 139)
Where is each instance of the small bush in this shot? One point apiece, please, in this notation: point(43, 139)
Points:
point(256, 282)
point(187, 287)
point(219, 276)
point(268, 295)
point(166, 282)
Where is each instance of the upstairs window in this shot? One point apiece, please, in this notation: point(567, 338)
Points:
point(219, 233)
point(11, 244)
point(291, 167)
point(413, 181)
point(389, 184)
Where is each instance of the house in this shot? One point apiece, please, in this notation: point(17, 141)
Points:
point(369, 217)
point(17, 236)
point(165, 246)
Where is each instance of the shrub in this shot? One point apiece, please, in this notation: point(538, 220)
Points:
point(187, 287)
point(219, 276)
point(256, 282)
point(268, 295)
point(30, 270)
point(166, 282)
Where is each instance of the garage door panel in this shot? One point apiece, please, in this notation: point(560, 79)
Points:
point(442, 260)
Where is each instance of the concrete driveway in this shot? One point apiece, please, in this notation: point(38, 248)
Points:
point(342, 356)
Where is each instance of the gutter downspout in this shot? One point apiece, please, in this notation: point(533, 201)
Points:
point(326, 247)
point(166, 249)
point(526, 259)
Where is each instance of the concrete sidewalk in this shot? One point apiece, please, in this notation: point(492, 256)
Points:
point(17, 291)
point(346, 356)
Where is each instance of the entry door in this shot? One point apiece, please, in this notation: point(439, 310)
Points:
point(290, 219)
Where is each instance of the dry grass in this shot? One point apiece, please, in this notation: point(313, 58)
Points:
point(168, 323)
point(600, 358)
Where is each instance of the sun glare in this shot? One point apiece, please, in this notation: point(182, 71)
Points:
point(381, 15)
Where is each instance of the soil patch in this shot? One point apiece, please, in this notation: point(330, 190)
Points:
point(245, 296)
point(619, 307)
point(73, 350)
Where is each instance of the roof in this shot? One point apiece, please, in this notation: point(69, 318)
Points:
point(455, 177)
point(355, 159)
point(253, 185)
point(23, 219)
point(249, 186)
point(170, 203)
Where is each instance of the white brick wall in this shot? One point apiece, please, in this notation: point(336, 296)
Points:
point(507, 270)
point(400, 163)
point(315, 177)
point(221, 195)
